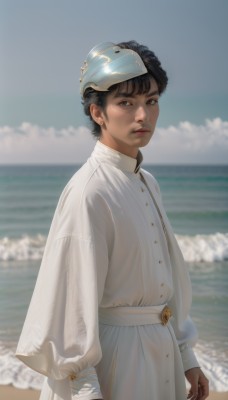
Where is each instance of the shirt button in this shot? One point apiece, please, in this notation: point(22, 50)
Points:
point(146, 204)
point(152, 224)
point(155, 242)
point(167, 355)
point(167, 381)
point(160, 261)
point(142, 190)
point(161, 295)
point(162, 284)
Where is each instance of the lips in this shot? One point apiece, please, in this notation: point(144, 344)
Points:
point(141, 132)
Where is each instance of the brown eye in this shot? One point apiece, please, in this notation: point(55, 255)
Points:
point(124, 103)
point(152, 102)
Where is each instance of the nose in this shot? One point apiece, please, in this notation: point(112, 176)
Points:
point(141, 114)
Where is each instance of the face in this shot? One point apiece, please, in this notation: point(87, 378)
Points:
point(128, 122)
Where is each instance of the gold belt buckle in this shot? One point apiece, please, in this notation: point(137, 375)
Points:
point(165, 315)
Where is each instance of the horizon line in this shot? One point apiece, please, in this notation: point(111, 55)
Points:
point(146, 163)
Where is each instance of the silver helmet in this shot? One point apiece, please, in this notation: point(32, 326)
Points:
point(108, 64)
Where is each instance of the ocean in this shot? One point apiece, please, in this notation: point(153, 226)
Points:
point(196, 201)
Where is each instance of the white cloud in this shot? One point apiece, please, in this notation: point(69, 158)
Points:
point(184, 143)
point(189, 143)
point(33, 144)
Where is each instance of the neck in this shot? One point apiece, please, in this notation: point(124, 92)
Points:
point(126, 150)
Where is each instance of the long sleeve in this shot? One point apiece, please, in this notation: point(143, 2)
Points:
point(180, 303)
point(184, 328)
point(86, 386)
point(60, 336)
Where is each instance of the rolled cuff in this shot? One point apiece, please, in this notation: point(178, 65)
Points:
point(85, 386)
point(188, 357)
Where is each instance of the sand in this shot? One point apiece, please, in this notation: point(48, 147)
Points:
point(11, 393)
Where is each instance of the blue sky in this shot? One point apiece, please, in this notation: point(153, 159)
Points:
point(43, 44)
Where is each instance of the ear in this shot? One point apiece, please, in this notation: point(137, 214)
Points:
point(96, 114)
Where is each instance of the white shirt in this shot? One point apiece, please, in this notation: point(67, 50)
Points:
point(106, 248)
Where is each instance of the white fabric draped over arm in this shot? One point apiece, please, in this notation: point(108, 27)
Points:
point(184, 328)
point(60, 336)
point(180, 303)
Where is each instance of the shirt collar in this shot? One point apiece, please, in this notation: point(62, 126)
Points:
point(106, 154)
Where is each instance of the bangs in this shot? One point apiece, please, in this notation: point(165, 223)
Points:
point(135, 86)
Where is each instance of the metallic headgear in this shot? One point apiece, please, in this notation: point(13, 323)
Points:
point(108, 64)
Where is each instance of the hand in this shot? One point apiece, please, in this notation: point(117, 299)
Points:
point(199, 389)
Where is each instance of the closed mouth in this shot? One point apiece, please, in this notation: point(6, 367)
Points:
point(142, 131)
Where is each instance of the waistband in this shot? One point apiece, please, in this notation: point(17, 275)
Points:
point(133, 316)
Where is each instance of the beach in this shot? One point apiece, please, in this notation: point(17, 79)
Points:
point(195, 199)
point(11, 393)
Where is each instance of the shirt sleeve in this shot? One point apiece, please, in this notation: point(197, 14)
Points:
point(60, 337)
point(180, 303)
point(86, 386)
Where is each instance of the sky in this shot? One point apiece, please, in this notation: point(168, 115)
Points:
point(43, 44)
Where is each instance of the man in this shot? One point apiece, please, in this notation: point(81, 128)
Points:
point(112, 274)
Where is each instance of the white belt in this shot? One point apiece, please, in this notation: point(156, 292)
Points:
point(132, 316)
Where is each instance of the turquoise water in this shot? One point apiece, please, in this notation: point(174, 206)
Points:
point(196, 200)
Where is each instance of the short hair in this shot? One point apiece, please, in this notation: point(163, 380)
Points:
point(139, 85)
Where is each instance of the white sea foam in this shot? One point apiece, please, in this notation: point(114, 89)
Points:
point(24, 248)
point(13, 371)
point(207, 248)
point(214, 365)
point(199, 248)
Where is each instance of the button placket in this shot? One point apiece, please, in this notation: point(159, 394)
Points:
point(156, 233)
point(168, 384)
point(152, 212)
point(162, 290)
point(156, 243)
point(147, 200)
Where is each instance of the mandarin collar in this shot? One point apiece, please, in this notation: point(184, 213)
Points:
point(113, 157)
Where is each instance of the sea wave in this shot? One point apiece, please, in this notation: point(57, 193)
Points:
point(14, 372)
point(198, 248)
point(23, 248)
point(214, 365)
point(204, 248)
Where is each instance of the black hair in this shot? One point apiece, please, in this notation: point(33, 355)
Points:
point(139, 85)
